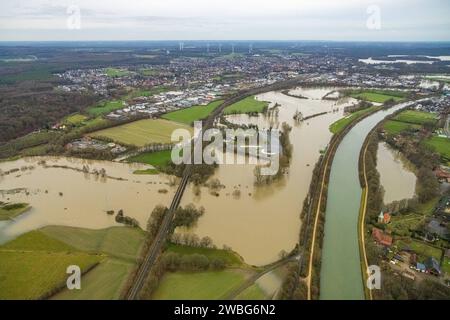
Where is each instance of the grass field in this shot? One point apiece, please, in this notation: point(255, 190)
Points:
point(339, 125)
point(121, 245)
point(146, 92)
point(119, 242)
point(10, 211)
point(379, 96)
point(195, 113)
point(210, 285)
point(415, 117)
point(104, 282)
point(401, 224)
point(253, 292)
point(395, 127)
point(158, 159)
point(422, 249)
point(75, 119)
point(114, 72)
point(441, 145)
point(105, 107)
point(230, 257)
point(34, 265)
point(247, 105)
point(142, 132)
point(148, 72)
point(446, 265)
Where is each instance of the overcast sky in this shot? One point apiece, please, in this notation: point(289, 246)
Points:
point(382, 20)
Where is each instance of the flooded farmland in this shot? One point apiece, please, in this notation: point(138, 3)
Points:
point(61, 193)
point(256, 221)
point(263, 220)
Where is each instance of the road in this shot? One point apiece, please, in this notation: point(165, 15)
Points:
point(363, 217)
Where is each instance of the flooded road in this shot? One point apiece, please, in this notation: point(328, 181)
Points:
point(60, 193)
point(263, 220)
point(396, 175)
point(340, 276)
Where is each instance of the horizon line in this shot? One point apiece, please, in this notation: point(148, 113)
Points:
point(229, 40)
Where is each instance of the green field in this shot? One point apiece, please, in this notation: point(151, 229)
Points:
point(12, 210)
point(142, 132)
point(402, 224)
point(121, 245)
point(34, 265)
point(254, 292)
point(379, 96)
point(119, 242)
point(422, 249)
point(247, 105)
point(441, 145)
point(210, 285)
point(75, 119)
point(446, 265)
point(148, 72)
point(105, 107)
point(158, 159)
point(340, 125)
point(104, 282)
point(415, 117)
point(114, 72)
point(146, 92)
point(195, 113)
point(230, 257)
point(395, 127)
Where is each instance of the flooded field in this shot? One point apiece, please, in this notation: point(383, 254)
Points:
point(263, 220)
point(396, 176)
point(61, 193)
point(257, 222)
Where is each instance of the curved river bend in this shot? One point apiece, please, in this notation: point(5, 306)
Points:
point(340, 275)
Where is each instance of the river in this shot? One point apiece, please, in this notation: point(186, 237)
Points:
point(264, 220)
point(340, 276)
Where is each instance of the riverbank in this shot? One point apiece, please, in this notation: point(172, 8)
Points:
point(330, 233)
point(318, 206)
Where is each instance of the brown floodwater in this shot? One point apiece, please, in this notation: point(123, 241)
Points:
point(396, 175)
point(258, 224)
point(84, 198)
point(264, 220)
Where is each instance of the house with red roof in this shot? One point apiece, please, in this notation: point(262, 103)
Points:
point(381, 238)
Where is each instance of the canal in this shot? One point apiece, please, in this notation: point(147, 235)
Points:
point(340, 276)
